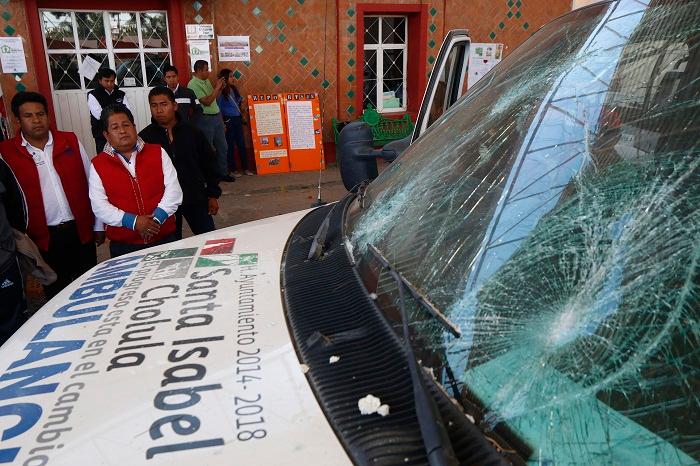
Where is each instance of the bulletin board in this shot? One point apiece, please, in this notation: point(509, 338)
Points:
point(303, 121)
point(267, 127)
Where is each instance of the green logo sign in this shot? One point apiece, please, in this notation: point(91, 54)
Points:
point(248, 259)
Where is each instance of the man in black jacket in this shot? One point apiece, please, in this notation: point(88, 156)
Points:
point(194, 160)
point(106, 93)
point(188, 107)
point(12, 215)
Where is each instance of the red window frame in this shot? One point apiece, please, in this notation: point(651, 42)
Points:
point(417, 15)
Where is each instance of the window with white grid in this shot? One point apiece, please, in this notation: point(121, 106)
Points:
point(385, 58)
point(134, 44)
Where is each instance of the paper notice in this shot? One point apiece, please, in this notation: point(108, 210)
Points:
point(199, 50)
point(300, 119)
point(482, 57)
point(268, 119)
point(199, 31)
point(234, 48)
point(12, 55)
point(273, 154)
point(89, 67)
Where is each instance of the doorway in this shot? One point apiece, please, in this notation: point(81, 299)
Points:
point(136, 44)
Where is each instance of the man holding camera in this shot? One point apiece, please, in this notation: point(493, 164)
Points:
point(211, 122)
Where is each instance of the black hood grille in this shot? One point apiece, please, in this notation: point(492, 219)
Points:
point(329, 313)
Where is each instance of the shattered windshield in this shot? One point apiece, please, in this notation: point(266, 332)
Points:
point(553, 214)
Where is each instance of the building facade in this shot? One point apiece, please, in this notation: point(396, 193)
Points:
point(352, 53)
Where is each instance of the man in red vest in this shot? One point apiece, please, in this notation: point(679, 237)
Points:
point(133, 186)
point(51, 167)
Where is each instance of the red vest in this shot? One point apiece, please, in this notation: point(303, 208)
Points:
point(139, 195)
point(69, 165)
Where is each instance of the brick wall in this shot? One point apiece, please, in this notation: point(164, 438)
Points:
point(509, 22)
point(295, 43)
point(310, 45)
point(293, 46)
point(13, 23)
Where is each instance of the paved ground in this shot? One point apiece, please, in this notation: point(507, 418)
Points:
point(251, 198)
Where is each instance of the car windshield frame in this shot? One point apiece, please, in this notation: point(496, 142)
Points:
point(527, 213)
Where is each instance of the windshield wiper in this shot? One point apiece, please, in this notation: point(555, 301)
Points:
point(417, 295)
point(437, 443)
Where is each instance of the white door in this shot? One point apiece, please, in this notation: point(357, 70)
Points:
point(134, 44)
point(447, 81)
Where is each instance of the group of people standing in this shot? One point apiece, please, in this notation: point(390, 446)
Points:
point(135, 191)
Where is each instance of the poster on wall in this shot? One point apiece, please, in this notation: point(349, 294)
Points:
point(233, 48)
point(482, 57)
point(199, 50)
point(199, 31)
point(12, 56)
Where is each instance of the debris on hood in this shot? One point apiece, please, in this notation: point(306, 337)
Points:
point(371, 404)
point(333, 359)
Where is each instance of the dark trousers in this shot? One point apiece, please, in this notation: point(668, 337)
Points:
point(12, 300)
point(197, 216)
point(213, 128)
point(67, 256)
point(119, 249)
point(100, 142)
point(234, 137)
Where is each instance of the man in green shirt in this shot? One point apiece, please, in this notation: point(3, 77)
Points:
point(211, 123)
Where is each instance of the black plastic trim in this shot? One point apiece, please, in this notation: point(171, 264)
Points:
point(329, 313)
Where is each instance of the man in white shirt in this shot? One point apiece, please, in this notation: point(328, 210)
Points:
point(106, 93)
point(51, 168)
point(133, 186)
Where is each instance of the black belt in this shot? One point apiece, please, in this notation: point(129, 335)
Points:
point(63, 226)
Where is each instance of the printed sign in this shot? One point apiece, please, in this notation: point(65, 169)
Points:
point(268, 118)
point(267, 128)
point(199, 50)
point(300, 121)
point(482, 57)
point(304, 128)
point(199, 31)
point(12, 55)
point(233, 48)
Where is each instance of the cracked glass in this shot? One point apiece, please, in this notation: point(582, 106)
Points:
point(553, 215)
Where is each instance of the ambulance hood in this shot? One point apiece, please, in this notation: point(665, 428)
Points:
point(176, 355)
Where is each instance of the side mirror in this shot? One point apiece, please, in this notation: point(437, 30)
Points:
point(355, 155)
